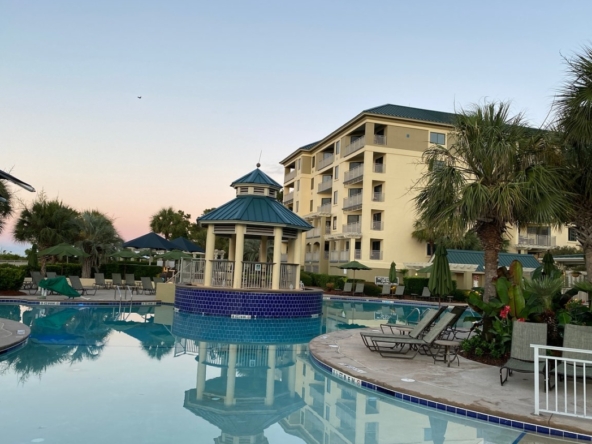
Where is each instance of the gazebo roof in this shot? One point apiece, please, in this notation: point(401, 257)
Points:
point(256, 210)
point(256, 177)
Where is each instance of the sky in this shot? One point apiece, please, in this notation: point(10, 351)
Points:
point(223, 83)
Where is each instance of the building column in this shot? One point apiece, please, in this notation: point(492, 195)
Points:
point(277, 258)
point(201, 371)
point(231, 376)
point(292, 374)
point(239, 250)
point(297, 257)
point(467, 280)
point(210, 246)
point(270, 386)
point(231, 247)
point(263, 249)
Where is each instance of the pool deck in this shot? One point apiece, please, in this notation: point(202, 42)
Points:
point(101, 296)
point(471, 385)
point(12, 334)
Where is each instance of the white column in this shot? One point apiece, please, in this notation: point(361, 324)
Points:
point(231, 376)
point(210, 246)
point(263, 249)
point(277, 258)
point(292, 374)
point(298, 256)
point(239, 251)
point(231, 247)
point(201, 371)
point(270, 386)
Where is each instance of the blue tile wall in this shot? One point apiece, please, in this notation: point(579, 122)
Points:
point(258, 331)
point(224, 302)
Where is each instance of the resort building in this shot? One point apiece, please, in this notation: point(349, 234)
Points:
point(354, 187)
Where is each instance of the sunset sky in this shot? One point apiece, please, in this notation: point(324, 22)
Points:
point(224, 81)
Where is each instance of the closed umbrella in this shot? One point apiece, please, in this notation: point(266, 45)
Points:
point(548, 264)
point(354, 265)
point(393, 273)
point(440, 282)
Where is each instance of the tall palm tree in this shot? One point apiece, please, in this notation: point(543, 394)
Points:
point(496, 173)
point(97, 238)
point(170, 223)
point(5, 207)
point(46, 223)
point(574, 120)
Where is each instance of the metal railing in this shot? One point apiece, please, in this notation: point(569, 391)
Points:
point(355, 228)
point(191, 271)
point(354, 146)
point(222, 273)
point(570, 398)
point(376, 255)
point(324, 209)
point(379, 139)
point(312, 257)
point(325, 185)
point(257, 275)
point(354, 175)
point(357, 254)
point(377, 225)
point(289, 176)
point(339, 256)
point(315, 232)
point(327, 229)
point(353, 202)
point(536, 240)
point(325, 162)
point(377, 197)
point(288, 197)
point(288, 276)
point(326, 254)
point(379, 168)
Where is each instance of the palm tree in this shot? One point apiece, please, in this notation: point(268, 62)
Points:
point(46, 223)
point(5, 207)
point(97, 238)
point(574, 121)
point(496, 173)
point(170, 223)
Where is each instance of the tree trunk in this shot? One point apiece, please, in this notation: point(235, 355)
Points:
point(583, 227)
point(43, 261)
point(491, 238)
point(86, 267)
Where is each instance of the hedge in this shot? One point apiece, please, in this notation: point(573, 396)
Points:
point(11, 277)
point(414, 285)
point(139, 271)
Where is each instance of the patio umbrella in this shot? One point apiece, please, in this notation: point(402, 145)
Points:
point(151, 241)
point(185, 244)
point(125, 254)
point(393, 273)
point(354, 265)
point(440, 282)
point(20, 183)
point(548, 264)
point(174, 255)
point(61, 250)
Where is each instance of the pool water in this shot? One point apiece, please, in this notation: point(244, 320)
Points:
point(153, 375)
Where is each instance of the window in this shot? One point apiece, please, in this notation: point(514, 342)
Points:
point(328, 380)
point(336, 173)
point(297, 206)
point(298, 185)
point(572, 235)
point(337, 146)
point(371, 405)
point(304, 370)
point(310, 209)
point(334, 197)
point(371, 433)
point(430, 249)
point(312, 183)
point(438, 138)
point(335, 223)
point(313, 161)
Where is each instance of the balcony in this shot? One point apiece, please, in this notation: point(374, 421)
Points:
point(353, 203)
point(339, 256)
point(357, 254)
point(379, 168)
point(324, 210)
point(289, 176)
point(355, 228)
point(289, 197)
point(354, 175)
point(312, 257)
point(315, 232)
point(376, 255)
point(377, 197)
point(325, 162)
point(536, 241)
point(377, 225)
point(325, 185)
point(379, 139)
point(356, 145)
point(328, 229)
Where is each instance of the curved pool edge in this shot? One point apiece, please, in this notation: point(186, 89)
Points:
point(13, 335)
point(327, 350)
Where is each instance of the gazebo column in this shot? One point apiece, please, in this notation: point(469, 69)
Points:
point(239, 250)
point(201, 371)
point(263, 249)
point(231, 376)
point(270, 381)
point(292, 374)
point(297, 256)
point(231, 247)
point(210, 245)
point(277, 258)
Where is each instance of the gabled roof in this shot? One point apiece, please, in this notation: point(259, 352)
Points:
point(477, 258)
point(309, 146)
point(407, 112)
point(186, 245)
point(256, 209)
point(256, 177)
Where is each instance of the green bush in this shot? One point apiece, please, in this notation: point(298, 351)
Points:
point(66, 269)
point(371, 289)
point(306, 279)
point(339, 281)
point(11, 277)
point(320, 280)
point(128, 268)
point(459, 295)
point(414, 285)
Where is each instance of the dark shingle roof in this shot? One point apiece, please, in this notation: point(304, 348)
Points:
point(310, 146)
point(254, 209)
point(407, 112)
point(477, 258)
point(257, 177)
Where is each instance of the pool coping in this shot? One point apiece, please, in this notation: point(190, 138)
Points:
point(76, 303)
point(19, 335)
point(384, 389)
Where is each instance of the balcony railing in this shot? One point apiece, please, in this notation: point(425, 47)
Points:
point(288, 276)
point(191, 271)
point(377, 197)
point(288, 197)
point(353, 203)
point(357, 254)
point(222, 273)
point(379, 139)
point(354, 146)
point(325, 185)
point(355, 228)
point(338, 256)
point(257, 274)
point(324, 210)
point(315, 232)
point(376, 255)
point(536, 240)
point(289, 176)
point(354, 175)
point(379, 168)
point(312, 257)
point(326, 254)
point(327, 229)
point(325, 162)
point(377, 225)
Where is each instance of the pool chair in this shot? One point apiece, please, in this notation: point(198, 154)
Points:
point(522, 354)
point(100, 281)
point(405, 347)
point(386, 290)
point(51, 274)
point(147, 287)
point(77, 285)
point(347, 287)
point(453, 330)
point(415, 332)
point(359, 288)
point(400, 291)
point(130, 281)
point(405, 329)
point(36, 278)
point(425, 294)
point(578, 337)
point(116, 280)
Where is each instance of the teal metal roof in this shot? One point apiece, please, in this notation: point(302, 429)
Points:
point(257, 177)
point(256, 209)
point(477, 258)
point(310, 146)
point(407, 112)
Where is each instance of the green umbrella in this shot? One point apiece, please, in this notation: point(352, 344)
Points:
point(393, 273)
point(427, 269)
point(353, 265)
point(440, 282)
point(174, 255)
point(125, 254)
point(62, 249)
point(548, 264)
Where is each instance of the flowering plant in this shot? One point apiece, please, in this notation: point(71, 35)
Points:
point(504, 312)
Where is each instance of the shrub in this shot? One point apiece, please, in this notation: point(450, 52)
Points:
point(459, 295)
point(320, 280)
point(330, 286)
point(414, 285)
point(371, 289)
point(66, 269)
point(306, 278)
point(128, 268)
point(339, 281)
point(11, 277)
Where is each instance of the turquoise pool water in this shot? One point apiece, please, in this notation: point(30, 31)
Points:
point(150, 375)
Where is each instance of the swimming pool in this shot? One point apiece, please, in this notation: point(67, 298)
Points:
point(153, 375)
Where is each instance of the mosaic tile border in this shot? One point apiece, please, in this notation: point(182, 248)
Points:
point(77, 304)
point(377, 300)
point(519, 425)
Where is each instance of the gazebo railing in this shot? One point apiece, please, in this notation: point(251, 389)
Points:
point(222, 273)
point(191, 271)
point(288, 276)
point(257, 274)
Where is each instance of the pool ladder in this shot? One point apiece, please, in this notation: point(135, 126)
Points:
point(124, 294)
point(419, 315)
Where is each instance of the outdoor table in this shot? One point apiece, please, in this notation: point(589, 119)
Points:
point(451, 349)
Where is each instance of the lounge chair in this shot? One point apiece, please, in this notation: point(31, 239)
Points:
point(347, 287)
point(51, 274)
point(147, 287)
point(453, 330)
point(399, 346)
point(386, 290)
point(426, 294)
point(359, 288)
point(36, 278)
point(415, 332)
point(100, 281)
point(522, 354)
point(400, 291)
point(578, 337)
point(77, 285)
point(130, 281)
point(116, 279)
point(403, 329)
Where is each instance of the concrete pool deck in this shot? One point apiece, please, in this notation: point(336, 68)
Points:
point(12, 334)
point(471, 385)
point(101, 296)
